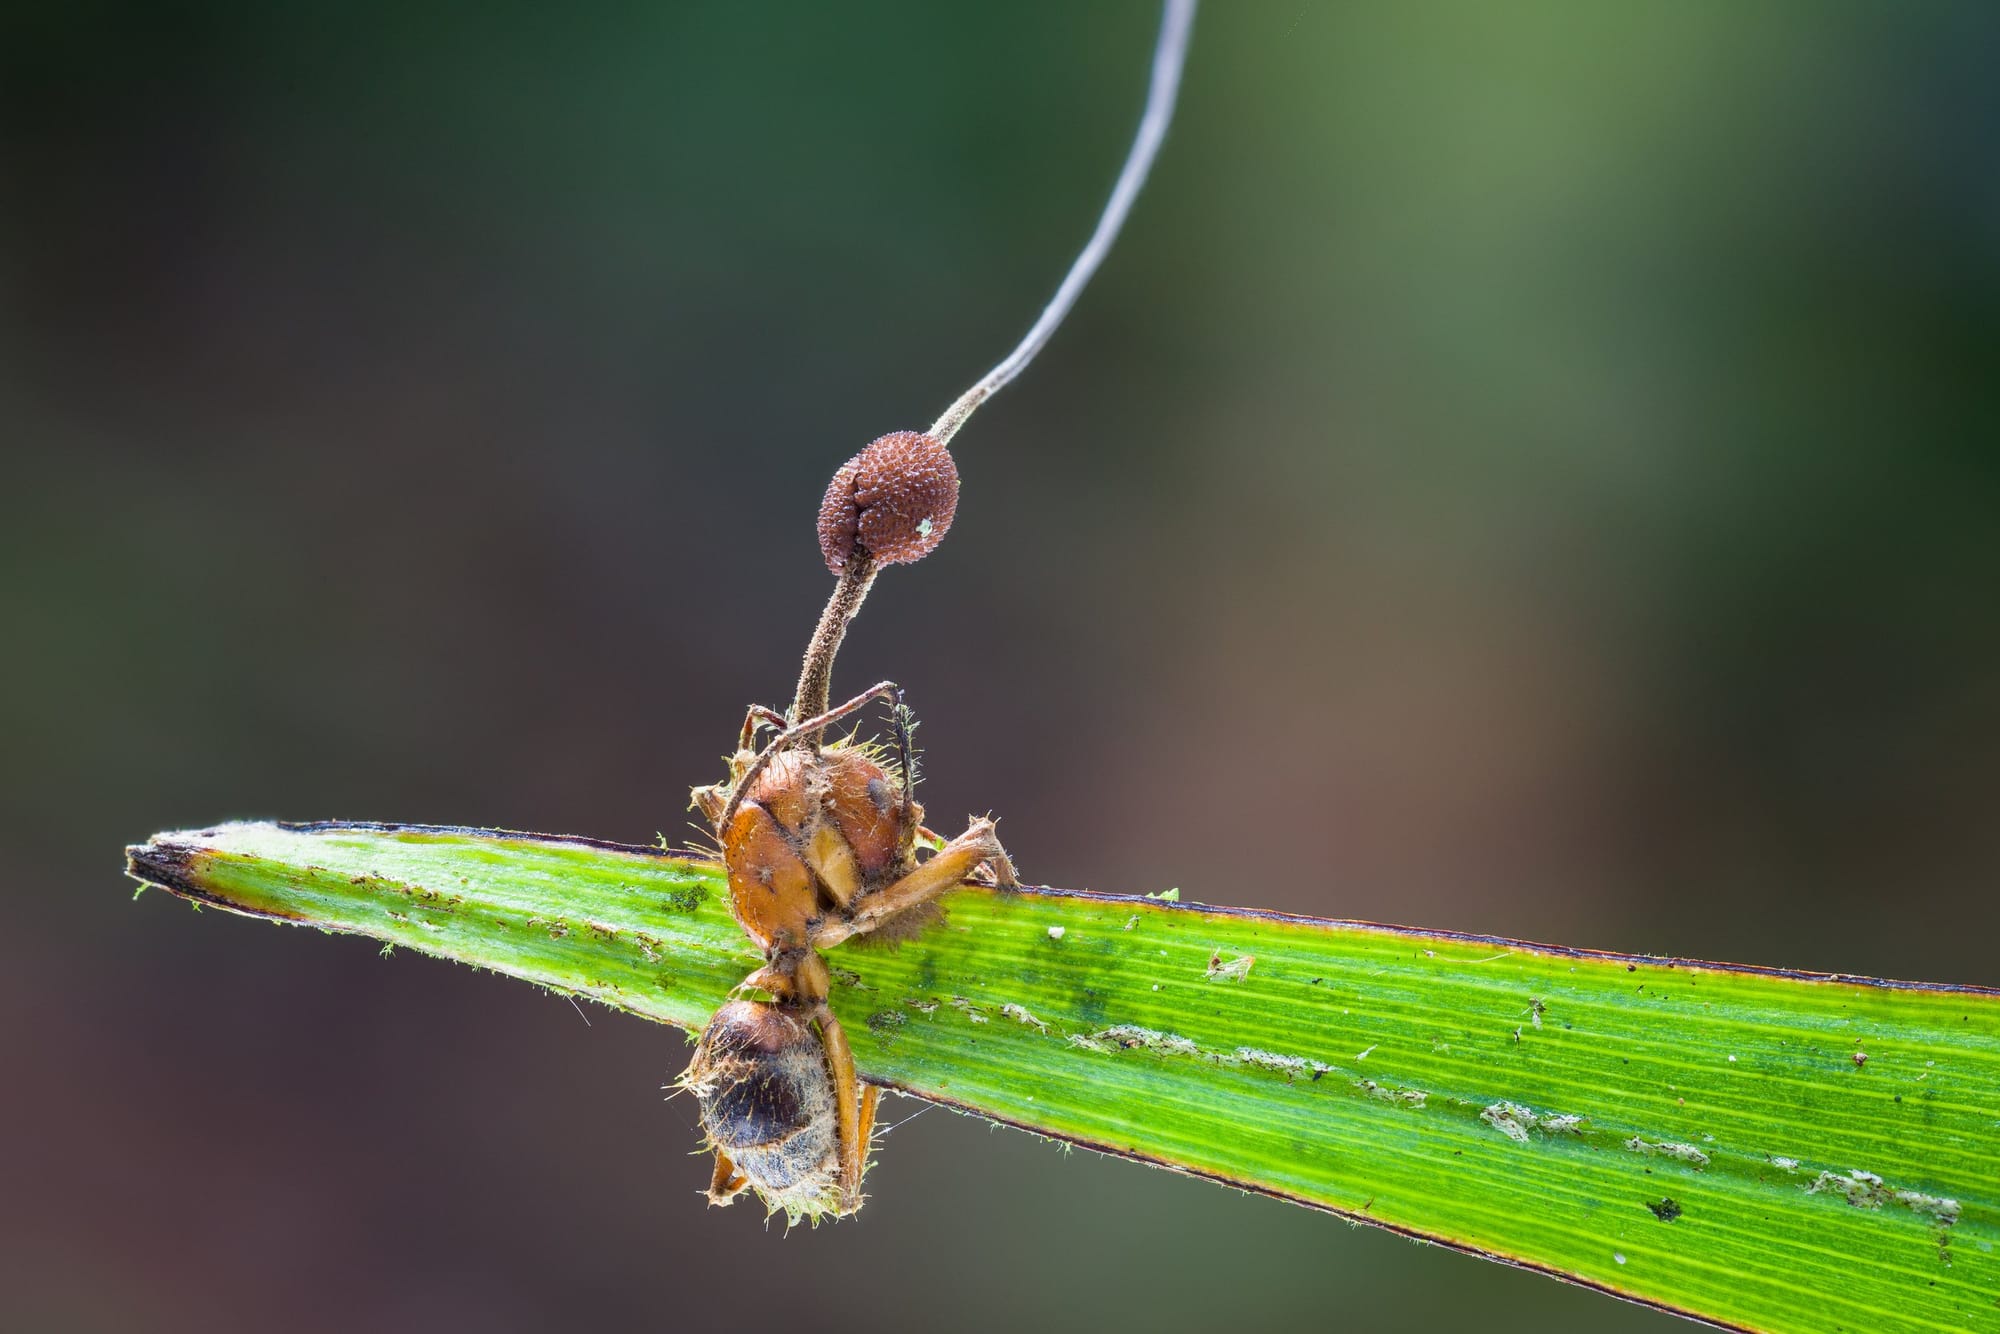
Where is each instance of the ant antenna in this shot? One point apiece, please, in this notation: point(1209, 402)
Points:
point(891, 503)
point(906, 756)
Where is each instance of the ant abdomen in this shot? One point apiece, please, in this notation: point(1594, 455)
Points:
point(767, 1101)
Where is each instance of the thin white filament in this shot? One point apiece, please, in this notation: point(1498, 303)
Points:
point(1169, 55)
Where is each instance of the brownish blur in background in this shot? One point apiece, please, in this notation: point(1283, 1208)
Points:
point(1527, 469)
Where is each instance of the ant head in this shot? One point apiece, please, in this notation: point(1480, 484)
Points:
point(894, 501)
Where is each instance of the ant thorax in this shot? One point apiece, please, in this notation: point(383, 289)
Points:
point(809, 834)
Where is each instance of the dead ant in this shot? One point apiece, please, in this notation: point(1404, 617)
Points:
point(820, 839)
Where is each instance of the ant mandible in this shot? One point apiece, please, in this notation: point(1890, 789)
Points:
point(820, 838)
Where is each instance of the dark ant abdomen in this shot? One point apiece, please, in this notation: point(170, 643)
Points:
point(766, 1096)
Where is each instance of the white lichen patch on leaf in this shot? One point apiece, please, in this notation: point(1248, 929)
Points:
point(1131, 1035)
point(1941, 1207)
point(1865, 1190)
point(1020, 1015)
point(971, 1011)
point(1515, 1121)
point(1407, 1097)
point(1289, 1066)
point(1510, 1119)
point(1128, 1036)
point(1680, 1153)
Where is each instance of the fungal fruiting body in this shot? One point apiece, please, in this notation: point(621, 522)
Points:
point(894, 500)
point(820, 840)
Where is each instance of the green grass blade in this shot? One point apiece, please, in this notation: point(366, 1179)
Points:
point(1700, 1138)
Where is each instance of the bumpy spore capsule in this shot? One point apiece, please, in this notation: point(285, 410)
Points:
point(767, 1101)
point(894, 500)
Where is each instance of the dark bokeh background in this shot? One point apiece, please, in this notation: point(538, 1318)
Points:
point(1527, 469)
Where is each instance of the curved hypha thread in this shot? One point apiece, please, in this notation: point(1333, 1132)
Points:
point(1169, 55)
point(893, 502)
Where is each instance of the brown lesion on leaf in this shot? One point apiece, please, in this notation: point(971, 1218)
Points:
point(170, 866)
point(177, 867)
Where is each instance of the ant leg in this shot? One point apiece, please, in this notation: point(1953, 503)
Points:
point(727, 1183)
point(864, 1135)
point(888, 690)
point(708, 799)
point(988, 873)
point(847, 1104)
point(977, 846)
point(759, 714)
point(870, 1096)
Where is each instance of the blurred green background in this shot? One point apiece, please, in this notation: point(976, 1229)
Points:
point(1527, 469)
